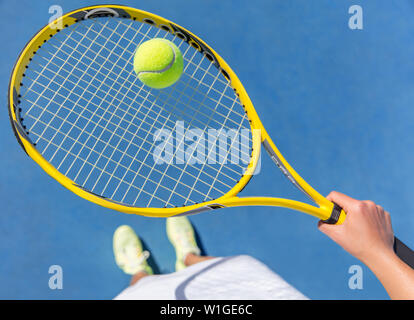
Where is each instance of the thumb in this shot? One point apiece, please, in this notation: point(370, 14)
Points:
point(335, 232)
point(328, 229)
point(342, 200)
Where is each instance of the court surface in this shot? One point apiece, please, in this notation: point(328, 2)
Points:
point(337, 102)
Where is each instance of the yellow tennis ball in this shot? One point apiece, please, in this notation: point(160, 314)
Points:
point(158, 63)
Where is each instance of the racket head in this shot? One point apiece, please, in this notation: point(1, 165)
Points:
point(129, 16)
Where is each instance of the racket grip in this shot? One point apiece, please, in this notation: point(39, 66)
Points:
point(401, 250)
point(337, 215)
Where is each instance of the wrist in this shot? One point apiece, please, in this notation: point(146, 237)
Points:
point(380, 259)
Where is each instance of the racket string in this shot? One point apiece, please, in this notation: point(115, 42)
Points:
point(41, 94)
point(84, 183)
point(92, 150)
point(156, 98)
point(120, 124)
point(218, 171)
point(213, 100)
point(242, 151)
point(91, 164)
point(97, 124)
point(199, 173)
point(60, 86)
point(145, 36)
point(109, 121)
point(205, 71)
point(49, 61)
point(179, 143)
point(163, 127)
point(187, 97)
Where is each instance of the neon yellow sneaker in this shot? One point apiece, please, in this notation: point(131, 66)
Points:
point(128, 252)
point(181, 235)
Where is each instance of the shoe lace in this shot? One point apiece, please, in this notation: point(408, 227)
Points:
point(132, 260)
point(143, 256)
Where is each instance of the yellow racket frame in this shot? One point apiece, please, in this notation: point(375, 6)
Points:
point(259, 134)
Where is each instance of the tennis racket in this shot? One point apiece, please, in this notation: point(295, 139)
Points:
point(79, 111)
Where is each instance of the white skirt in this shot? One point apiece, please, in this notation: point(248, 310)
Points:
point(231, 278)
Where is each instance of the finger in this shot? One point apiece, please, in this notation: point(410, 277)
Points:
point(344, 201)
point(328, 229)
point(388, 217)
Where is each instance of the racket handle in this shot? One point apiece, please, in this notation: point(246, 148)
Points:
point(337, 215)
point(401, 250)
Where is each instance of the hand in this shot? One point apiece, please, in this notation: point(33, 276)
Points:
point(366, 232)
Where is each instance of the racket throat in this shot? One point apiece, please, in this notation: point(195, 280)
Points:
point(282, 167)
point(208, 207)
point(335, 215)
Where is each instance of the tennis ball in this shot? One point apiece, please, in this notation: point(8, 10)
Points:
point(158, 63)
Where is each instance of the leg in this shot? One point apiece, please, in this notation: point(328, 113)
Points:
point(138, 276)
point(181, 235)
point(192, 258)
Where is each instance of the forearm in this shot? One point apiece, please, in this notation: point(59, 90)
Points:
point(396, 276)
